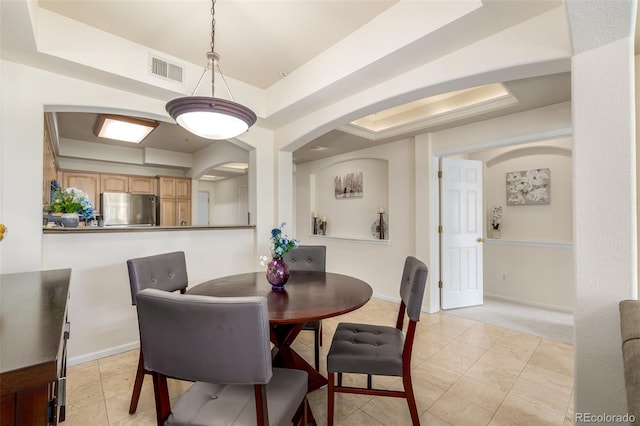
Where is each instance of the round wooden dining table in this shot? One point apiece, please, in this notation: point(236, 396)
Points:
point(307, 296)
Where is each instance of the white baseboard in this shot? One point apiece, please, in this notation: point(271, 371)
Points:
point(529, 303)
point(102, 354)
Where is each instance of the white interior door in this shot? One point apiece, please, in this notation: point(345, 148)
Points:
point(203, 207)
point(461, 236)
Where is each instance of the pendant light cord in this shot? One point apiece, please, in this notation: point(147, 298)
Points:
point(213, 45)
point(213, 60)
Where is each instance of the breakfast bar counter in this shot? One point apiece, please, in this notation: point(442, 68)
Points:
point(124, 228)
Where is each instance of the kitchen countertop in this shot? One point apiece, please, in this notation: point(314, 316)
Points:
point(112, 229)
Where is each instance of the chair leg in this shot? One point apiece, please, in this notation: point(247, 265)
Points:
point(137, 385)
point(330, 398)
point(161, 394)
point(411, 400)
point(318, 338)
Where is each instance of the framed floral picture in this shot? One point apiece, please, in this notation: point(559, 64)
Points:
point(348, 185)
point(528, 187)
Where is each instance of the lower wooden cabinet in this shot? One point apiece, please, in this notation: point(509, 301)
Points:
point(183, 212)
point(175, 212)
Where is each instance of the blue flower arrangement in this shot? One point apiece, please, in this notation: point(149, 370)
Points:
point(280, 243)
point(70, 200)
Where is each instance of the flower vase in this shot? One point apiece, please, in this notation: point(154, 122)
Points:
point(497, 234)
point(277, 273)
point(70, 220)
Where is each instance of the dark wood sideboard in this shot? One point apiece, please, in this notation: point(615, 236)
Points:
point(33, 346)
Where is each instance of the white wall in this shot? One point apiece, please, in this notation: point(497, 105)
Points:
point(533, 260)
point(103, 321)
point(536, 274)
point(224, 201)
point(549, 222)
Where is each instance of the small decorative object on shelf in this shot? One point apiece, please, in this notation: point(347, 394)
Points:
point(496, 220)
point(314, 224)
point(379, 228)
point(71, 202)
point(323, 226)
point(277, 270)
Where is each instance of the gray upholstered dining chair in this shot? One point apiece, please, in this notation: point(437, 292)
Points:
point(377, 349)
point(222, 344)
point(309, 258)
point(167, 272)
point(630, 332)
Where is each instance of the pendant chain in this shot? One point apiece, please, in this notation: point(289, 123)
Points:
point(213, 24)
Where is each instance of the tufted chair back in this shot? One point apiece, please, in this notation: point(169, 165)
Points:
point(412, 286)
point(167, 271)
point(630, 331)
point(307, 258)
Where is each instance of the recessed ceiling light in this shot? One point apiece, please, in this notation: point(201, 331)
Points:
point(241, 166)
point(121, 128)
point(318, 148)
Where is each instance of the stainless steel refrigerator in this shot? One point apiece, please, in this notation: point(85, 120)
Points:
point(124, 209)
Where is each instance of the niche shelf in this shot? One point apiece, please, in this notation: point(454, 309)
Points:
point(374, 241)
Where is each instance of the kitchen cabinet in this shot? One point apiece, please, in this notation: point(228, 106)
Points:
point(183, 212)
point(142, 185)
point(175, 201)
point(50, 163)
point(114, 183)
point(167, 212)
point(84, 181)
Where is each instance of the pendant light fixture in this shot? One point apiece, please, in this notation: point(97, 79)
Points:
point(211, 117)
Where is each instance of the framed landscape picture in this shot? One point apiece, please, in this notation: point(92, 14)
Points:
point(348, 185)
point(529, 187)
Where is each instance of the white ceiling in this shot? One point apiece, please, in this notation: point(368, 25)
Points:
point(258, 40)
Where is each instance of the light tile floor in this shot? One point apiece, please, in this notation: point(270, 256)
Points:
point(464, 373)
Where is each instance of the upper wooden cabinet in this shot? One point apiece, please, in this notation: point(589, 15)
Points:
point(170, 187)
point(87, 182)
point(166, 187)
point(114, 183)
point(96, 183)
point(50, 164)
point(183, 188)
point(142, 185)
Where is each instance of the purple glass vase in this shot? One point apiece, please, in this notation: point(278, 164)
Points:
point(277, 273)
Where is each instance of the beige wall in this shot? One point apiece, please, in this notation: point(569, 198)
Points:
point(532, 262)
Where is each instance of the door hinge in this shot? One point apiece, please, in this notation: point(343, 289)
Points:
point(439, 284)
point(439, 174)
point(440, 229)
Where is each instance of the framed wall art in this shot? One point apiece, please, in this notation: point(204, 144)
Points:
point(348, 185)
point(529, 187)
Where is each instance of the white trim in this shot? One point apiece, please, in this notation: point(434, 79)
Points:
point(549, 244)
point(529, 303)
point(353, 239)
point(102, 354)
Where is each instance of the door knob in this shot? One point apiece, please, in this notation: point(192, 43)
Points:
point(480, 240)
point(3, 229)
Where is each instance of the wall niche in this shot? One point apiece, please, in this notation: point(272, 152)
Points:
point(350, 212)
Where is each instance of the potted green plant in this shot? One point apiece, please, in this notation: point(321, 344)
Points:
point(72, 203)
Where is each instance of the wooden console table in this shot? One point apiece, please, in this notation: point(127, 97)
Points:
point(34, 331)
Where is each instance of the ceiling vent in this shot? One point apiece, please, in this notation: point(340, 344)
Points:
point(165, 69)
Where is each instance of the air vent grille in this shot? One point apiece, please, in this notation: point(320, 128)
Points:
point(162, 68)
